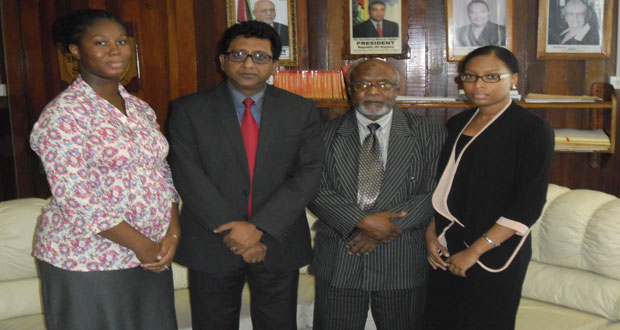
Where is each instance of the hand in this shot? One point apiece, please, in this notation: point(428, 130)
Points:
point(379, 227)
point(362, 244)
point(462, 261)
point(243, 235)
point(435, 250)
point(168, 247)
point(148, 253)
point(255, 254)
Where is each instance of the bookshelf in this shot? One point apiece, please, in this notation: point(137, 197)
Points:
point(603, 114)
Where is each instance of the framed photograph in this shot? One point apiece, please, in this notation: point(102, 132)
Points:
point(475, 23)
point(375, 27)
point(280, 14)
point(574, 29)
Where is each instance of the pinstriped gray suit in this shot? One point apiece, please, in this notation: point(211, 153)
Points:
point(408, 182)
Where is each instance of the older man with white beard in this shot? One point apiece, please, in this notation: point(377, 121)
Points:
point(373, 205)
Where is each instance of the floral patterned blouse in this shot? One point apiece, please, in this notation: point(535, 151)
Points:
point(103, 168)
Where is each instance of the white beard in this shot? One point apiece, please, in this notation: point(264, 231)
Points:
point(364, 111)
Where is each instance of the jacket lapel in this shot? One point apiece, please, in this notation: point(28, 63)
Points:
point(346, 154)
point(400, 148)
point(269, 127)
point(230, 124)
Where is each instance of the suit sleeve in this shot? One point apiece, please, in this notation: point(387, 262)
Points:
point(535, 149)
point(285, 206)
point(194, 185)
point(333, 209)
point(419, 207)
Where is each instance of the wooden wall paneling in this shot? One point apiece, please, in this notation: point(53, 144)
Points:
point(335, 41)
point(318, 53)
point(97, 4)
point(181, 47)
point(437, 80)
point(210, 22)
point(23, 95)
point(303, 59)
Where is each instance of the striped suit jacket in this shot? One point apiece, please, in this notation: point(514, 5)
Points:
point(409, 179)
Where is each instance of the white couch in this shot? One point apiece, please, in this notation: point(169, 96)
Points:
point(573, 281)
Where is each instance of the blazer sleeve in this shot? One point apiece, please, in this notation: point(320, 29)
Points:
point(285, 206)
point(193, 184)
point(333, 209)
point(419, 207)
point(535, 150)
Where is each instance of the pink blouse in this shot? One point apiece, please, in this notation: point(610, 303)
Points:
point(103, 168)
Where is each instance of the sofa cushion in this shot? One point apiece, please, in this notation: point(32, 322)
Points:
point(576, 252)
point(17, 221)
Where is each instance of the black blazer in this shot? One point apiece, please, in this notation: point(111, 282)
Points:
point(367, 30)
point(210, 171)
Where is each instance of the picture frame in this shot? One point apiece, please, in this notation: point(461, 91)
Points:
point(362, 39)
point(484, 22)
point(68, 66)
point(283, 19)
point(574, 29)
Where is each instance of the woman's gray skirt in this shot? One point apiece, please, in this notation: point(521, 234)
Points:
point(128, 299)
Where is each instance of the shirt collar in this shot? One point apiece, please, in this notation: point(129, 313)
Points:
point(238, 97)
point(384, 122)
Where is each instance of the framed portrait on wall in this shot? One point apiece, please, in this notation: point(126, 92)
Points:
point(280, 14)
point(574, 29)
point(375, 27)
point(476, 23)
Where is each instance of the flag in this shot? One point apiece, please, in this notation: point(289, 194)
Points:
point(243, 11)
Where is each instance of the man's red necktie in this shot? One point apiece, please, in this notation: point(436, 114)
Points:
point(379, 29)
point(249, 130)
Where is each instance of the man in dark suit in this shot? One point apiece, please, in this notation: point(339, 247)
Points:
point(373, 205)
point(246, 158)
point(265, 11)
point(376, 26)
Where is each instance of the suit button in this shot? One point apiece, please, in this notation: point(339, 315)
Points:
point(246, 192)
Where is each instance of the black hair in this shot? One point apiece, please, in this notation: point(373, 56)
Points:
point(252, 29)
point(377, 2)
point(477, 1)
point(501, 53)
point(69, 29)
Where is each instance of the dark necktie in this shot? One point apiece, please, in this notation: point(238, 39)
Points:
point(370, 170)
point(249, 130)
point(379, 30)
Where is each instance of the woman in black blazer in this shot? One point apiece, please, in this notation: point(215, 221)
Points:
point(493, 176)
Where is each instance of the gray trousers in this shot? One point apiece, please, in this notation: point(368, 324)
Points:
point(128, 299)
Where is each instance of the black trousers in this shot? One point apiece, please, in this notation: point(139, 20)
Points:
point(216, 298)
point(347, 309)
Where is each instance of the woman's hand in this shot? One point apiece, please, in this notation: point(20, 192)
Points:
point(168, 247)
point(462, 261)
point(434, 249)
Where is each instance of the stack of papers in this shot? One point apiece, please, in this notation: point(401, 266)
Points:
point(551, 98)
point(569, 139)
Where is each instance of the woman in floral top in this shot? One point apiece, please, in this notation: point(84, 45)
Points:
point(105, 242)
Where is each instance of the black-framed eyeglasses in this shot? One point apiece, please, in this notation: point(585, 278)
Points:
point(487, 78)
point(257, 58)
point(362, 86)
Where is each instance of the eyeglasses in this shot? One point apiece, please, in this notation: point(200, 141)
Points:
point(487, 78)
point(257, 58)
point(383, 86)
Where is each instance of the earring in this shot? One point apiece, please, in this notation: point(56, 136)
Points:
point(514, 86)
